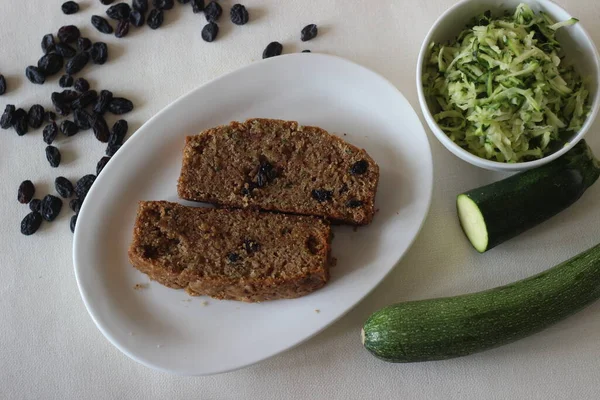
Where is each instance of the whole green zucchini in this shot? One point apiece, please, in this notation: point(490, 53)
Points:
point(492, 214)
point(450, 327)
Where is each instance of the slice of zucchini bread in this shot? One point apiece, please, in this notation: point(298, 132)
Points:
point(280, 166)
point(230, 254)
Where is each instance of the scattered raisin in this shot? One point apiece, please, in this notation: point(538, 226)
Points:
point(183, 1)
point(210, 32)
point(197, 6)
point(99, 53)
point(101, 24)
point(239, 14)
point(63, 187)
point(64, 50)
point(309, 32)
point(103, 101)
point(85, 99)
point(137, 18)
point(122, 28)
point(59, 104)
point(101, 164)
point(73, 222)
point(119, 11)
point(155, 18)
point(35, 205)
point(83, 185)
point(65, 81)
point(19, 121)
point(31, 223)
point(100, 128)
point(213, 11)
point(118, 133)
point(163, 4)
point(75, 205)
point(49, 116)
point(322, 195)
point(69, 128)
point(140, 5)
point(50, 132)
point(112, 149)
point(251, 246)
point(273, 49)
point(82, 119)
point(107, 2)
point(2, 85)
point(50, 207)
point(70, 7)
point(84, 44)
point(359, 167)
point(25, 192)
point(306, 51)
point(53, 156)
point(35, 75)
point(48, 43)
point(233, 257)
point(69, 96)
point(81, 85)
point(50, 64)
point(120, 105)
point(68, 33)
point(76, 64)
point(35, 116)
point(353, 203)
point(6, 119)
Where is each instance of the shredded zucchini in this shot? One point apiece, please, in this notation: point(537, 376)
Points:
point(503, 91)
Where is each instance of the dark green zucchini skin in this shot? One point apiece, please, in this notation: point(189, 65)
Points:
point(522, 201)
point(450, 327)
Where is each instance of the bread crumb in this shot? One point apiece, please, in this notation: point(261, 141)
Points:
point(317, 311)
point(345, 134)
point(141, 286)
point(205, 303)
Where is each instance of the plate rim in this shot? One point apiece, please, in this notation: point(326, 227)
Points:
point(254, 65)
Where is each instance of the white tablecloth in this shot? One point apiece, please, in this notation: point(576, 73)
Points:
point(51, 349)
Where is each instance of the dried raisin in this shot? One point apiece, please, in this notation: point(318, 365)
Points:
point(70, 7)
point(50, 64)
point(59, 104)
point(353, 203)
point(83, 185)
point(101, 24)
point(251, 246)
point(19, 121)
point(359, 167)
point(213, 11)
point(118, 133)
point(85, 99)
point(35, 205)
point(273, 49)
point(119, 11)
point(306, 51)
point(163, 4)
point(31, 223)
point(50, 132)
point(68, 33)
point(7, 115)
point(137, 18)
point(49, 116)
point(233, 257)
point(73, 222)
point(155, 18)
point(239, 14)
point(197, 6)
point(210, 32)
point(76, 64)
point(82, 119)
point(65, 81)
point(122, 28)
point(81, 85)
point(100, 128)
point(63, 187)
point(50, 207)
point(84, 44)
point(103, 101)
point(2, 85)
point(64, 50)
point(75, 205)
point(120, 105)
point(99, 53)
point(112, 149)
point(25, 192)
point(183, 1)
point(48, 43)
point(140, 5)
point(309, 32)
point(101, 164)
point(322, 195)
point(69, 128)
point(35, 75)
point(69, 96)
point(53, 156)
point(107, 2)
point(35, 116)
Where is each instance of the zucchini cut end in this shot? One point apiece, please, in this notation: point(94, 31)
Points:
point(472, 222)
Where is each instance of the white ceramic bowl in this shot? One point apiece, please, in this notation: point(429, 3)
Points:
point(577, 46)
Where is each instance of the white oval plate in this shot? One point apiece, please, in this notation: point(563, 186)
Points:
point(166, 329)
